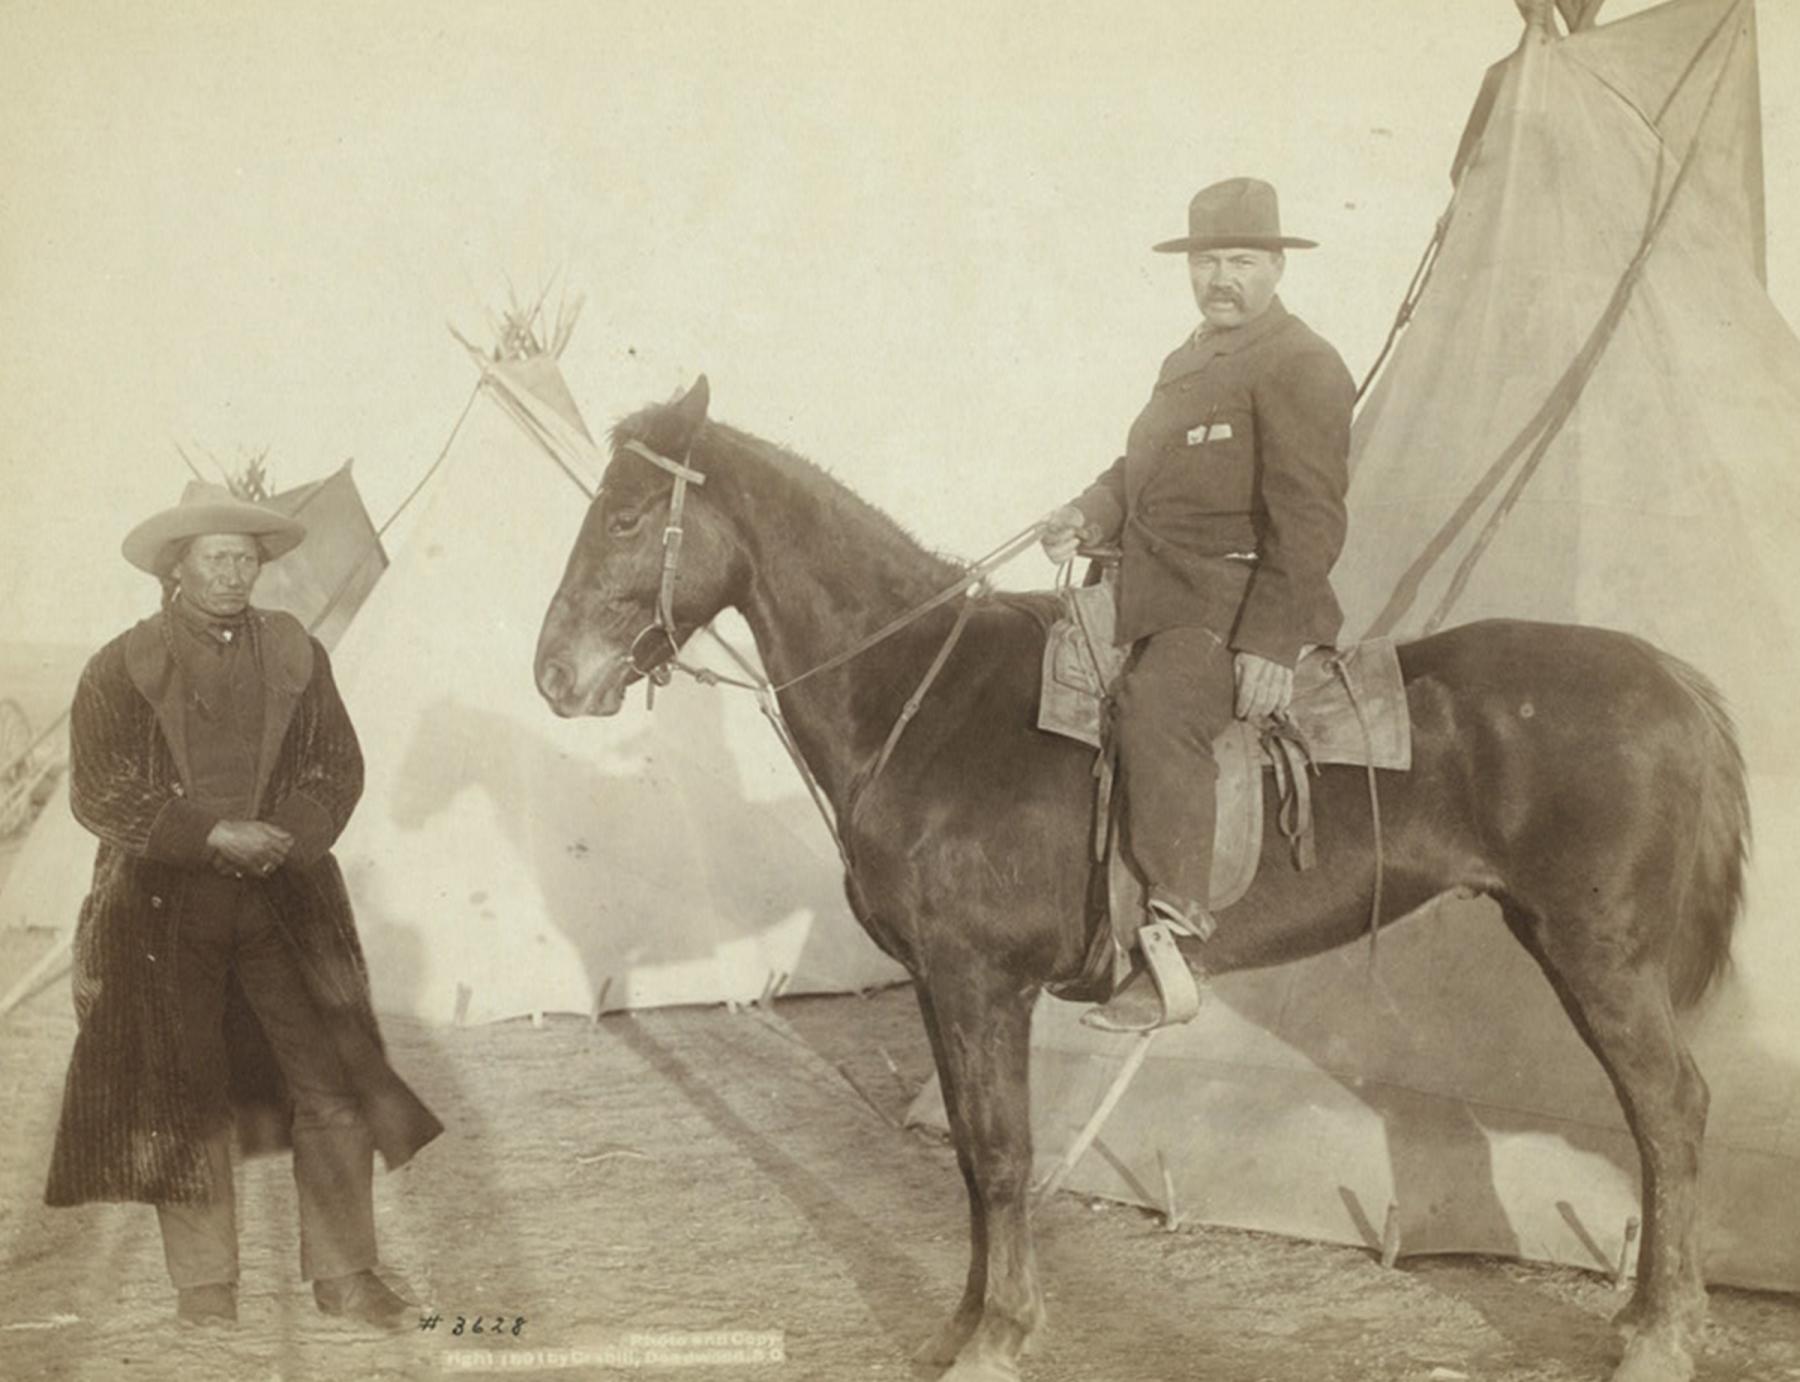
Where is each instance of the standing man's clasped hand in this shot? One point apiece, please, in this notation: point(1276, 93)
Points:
point(248, 849)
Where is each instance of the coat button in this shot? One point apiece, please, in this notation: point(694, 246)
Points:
point(155, 901)
point(177, 789)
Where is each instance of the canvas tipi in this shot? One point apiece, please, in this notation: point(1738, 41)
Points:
point(1593, 417)
point(504, 862)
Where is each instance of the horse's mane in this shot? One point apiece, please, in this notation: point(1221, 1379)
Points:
point(748, 470)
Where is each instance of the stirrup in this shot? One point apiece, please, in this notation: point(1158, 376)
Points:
point(1174, 980)
point(1177, 998)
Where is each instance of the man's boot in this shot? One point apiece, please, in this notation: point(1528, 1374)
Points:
point(207, 1307)
point(364, 1298)
point(1161, 991)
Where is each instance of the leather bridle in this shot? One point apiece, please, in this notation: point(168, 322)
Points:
point(654, 663)
point(658, 663)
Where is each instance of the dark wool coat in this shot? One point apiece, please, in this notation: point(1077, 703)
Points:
point(129, 1129)
point(1242, 448)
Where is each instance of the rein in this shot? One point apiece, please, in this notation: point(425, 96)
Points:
point(971, 584)
point(666, 660)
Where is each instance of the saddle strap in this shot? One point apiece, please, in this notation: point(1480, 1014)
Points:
point(1338, 666)
point(911, 708)
point(1104, 778)
point(1103, 964)
point(1294, 815)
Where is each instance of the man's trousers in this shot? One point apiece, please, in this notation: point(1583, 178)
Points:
point(1177, 694)
point(230, 927)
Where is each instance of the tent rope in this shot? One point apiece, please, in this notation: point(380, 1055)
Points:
point(432, 469)
point(343, 586)
point(1547, 424)
point(1414, 290)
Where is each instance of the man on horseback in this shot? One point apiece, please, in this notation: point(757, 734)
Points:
point(1228, 508)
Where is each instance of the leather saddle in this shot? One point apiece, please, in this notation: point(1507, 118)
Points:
point(1349, 707)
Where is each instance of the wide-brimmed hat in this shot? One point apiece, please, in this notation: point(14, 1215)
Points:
point(207, 510)
point(1239, 213)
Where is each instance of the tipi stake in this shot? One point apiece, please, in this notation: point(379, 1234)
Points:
point(1085, 1138)
point(1171, 1212)
point(1623, 1270)
point(1390, 1236)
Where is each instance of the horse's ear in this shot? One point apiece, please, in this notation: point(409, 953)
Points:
point(691, 410)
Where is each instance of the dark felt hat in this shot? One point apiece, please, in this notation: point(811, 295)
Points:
point(1239, 213)
point(208, 509)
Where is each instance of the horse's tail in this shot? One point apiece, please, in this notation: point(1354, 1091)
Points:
point(1715, 886)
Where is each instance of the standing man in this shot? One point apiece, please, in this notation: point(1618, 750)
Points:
point(1228, 506)
point(219, 983)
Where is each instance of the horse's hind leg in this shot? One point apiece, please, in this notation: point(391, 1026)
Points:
point(983, 1039)
point(1623, 1011)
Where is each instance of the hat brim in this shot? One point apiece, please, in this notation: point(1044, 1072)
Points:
point(150, 545)
point(1189, 244)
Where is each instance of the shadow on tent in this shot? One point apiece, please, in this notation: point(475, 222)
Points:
point(1444, 1105)
point(655, 860)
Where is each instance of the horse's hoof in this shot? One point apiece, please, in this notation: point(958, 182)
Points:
point(940, 1350)
point(1654, 1357)
point(982, 1370)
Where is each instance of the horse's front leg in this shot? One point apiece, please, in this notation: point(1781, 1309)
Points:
point(942, 1348)
point(983, 1040)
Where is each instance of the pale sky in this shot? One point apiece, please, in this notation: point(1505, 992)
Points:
point(909, 240)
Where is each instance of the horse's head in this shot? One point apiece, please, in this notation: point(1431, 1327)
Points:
point(609, 623)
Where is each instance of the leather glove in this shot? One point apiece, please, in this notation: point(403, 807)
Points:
point(1264, 688)
point(1064, 530)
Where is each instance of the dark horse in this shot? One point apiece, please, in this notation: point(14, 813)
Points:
point(1587, 782)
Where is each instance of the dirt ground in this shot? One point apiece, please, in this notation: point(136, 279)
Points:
point(743, 1176)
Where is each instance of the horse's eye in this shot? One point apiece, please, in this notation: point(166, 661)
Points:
point(620, 524)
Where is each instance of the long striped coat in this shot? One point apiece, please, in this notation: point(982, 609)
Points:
point(128, 1129)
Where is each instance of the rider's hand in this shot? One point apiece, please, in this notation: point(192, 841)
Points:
point(1064, 529)
point(1264, 688)
point(248, 848)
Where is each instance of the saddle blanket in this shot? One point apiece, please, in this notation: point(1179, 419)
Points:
point(1348, 707)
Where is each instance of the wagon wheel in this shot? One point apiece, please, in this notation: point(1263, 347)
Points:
point(15, 767)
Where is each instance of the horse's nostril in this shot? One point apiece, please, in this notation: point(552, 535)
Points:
point(554, 679)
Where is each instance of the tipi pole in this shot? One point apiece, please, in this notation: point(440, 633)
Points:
point(37, 742)
point(49, 965)
point(1134, 1061)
